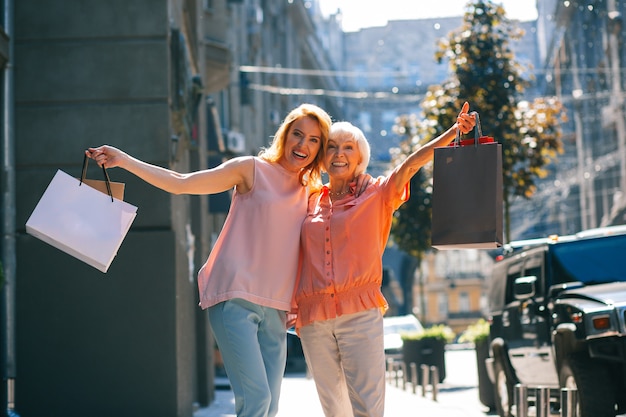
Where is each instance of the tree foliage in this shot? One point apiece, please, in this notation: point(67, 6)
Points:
point(485, 73)
point(413, 217)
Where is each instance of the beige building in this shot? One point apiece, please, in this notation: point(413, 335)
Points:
point(450, 287)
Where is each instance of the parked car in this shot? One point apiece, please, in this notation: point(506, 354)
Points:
point(558, 320)
point(394, 327)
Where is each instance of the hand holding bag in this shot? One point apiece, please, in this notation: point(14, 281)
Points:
point(80, 220)
point(467, 193)
point(113, 189)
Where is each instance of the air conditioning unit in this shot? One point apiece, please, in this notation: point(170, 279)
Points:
point(609, 116)
point(235, 142)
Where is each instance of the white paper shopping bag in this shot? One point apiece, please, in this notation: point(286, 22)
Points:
point(81, 221)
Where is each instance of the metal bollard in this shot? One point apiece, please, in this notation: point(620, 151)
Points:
point(424, 369)
point(569, 401)
point(413, 368)
point(543, 402)
point(396, 368)
point(389, 370)
point(434, 377)
point(521, 400)
point(404, 377)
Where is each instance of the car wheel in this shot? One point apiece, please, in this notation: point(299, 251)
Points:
point(503, 390)
point(596, 395)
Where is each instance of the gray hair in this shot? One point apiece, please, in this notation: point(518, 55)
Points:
point(347, 128)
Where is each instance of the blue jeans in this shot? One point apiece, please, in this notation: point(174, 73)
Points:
point(253, 343)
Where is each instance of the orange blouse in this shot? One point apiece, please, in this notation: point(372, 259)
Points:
point(343, 244)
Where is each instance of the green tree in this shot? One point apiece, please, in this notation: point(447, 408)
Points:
point(484, 72)
point(411, 223)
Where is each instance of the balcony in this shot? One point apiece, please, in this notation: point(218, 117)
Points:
point(217, 60)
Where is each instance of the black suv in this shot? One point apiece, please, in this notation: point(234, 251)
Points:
point(558, 319)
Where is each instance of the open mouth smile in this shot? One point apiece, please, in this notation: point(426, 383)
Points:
point(300, 155)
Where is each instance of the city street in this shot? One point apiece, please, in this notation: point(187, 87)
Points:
point(457, 395)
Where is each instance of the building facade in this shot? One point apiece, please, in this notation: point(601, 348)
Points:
point(582, 54)
point(394, 71)
point(450, 288)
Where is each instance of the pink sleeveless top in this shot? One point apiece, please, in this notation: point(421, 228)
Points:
point(256, 254)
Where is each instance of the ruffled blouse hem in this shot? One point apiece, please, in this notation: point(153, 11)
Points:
point(326, 306)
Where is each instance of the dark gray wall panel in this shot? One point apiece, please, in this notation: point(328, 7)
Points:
point(97, 344)
point(93, 71)
point(90, 18)
point(60, 133)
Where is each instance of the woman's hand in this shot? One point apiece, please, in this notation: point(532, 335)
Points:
point(291, 320)
point(106, 156)
point(465, 122)
point(361, 183)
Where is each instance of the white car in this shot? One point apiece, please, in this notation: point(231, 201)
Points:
point(394, 327)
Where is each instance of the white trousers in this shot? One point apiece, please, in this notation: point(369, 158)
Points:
point(346, 358)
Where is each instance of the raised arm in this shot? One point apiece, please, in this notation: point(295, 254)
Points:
point(236, 172)
point(404, 172)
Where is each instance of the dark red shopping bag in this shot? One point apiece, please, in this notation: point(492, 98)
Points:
point(467, 193)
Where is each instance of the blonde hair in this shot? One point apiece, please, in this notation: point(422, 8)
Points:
point(348, 129)
point(311, 174)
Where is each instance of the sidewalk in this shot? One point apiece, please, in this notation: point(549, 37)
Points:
point(299, 398)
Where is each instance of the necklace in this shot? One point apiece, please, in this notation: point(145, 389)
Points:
point(339, 194)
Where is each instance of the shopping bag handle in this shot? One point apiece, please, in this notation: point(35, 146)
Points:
point(477, 131)
point(104, 171)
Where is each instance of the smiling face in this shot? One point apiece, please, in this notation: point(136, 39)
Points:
point(302, 144)
point(342, 156)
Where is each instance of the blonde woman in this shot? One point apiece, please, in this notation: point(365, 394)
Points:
point(248, 281)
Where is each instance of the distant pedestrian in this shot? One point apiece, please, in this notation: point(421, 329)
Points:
point(339, 298)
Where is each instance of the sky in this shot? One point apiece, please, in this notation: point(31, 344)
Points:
point(359, 14)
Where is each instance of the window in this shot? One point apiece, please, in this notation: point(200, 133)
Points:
point(365, 121)
point(514, 272)
point(442, 304)
point(360, 82)
point(464, 302)
point(389, 76)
